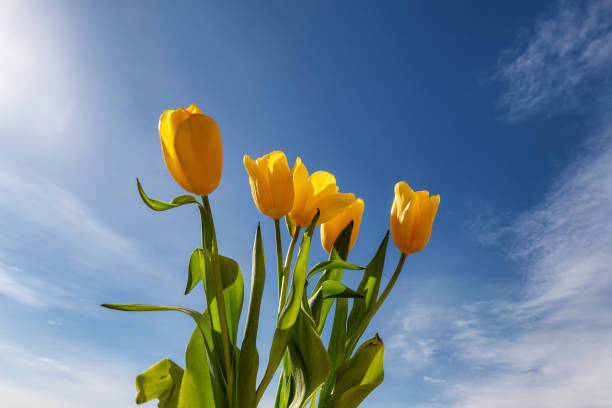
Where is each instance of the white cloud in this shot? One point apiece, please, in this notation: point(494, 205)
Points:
point(553, 348)
point(43, 223)
point(551, 345)
point(11, 287)
point(431, 380)
point(557, 64)
point(29, 379)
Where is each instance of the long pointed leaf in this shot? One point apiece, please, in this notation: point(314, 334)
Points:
point(333, 264)
point(339, 252)
point(310, 364)
point(162, 205)
point(369, 286)
point(358, 377)
point(249, 357)
point(289, 313)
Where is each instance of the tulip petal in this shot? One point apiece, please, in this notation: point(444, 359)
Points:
point(168, 123)
point(422, 232)
point(197, 143)
point(259, 184)
point(323, 183)
point(281, 184)
point(332, 205)
point(332, 228)
point(303, 195)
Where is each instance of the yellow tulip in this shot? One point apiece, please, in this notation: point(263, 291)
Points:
point(271, 184)
point(191, 142)
point(332, 228)
point(319, 191)
point(412, 217)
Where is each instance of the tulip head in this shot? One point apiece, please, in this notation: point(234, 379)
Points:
point(412, 217)
point(332, 228)
point(317, 191)
point(191, 142)
point(271, 184)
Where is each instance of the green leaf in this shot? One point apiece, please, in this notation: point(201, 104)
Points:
point(335, 289)
point(333, 264)
point(249, 357)
point(233, 294)
point(162, 381)
point(292, 306)
point(208, 229)
point(335, 348)
point(339, 252)
point(162, 205)
point(369, 286)
point(199, 387)
point(358, 377)
point(290, 226)
point(200, 356)
point(200, 268)
point(198, 264)
point(310, 364)
point(290, 311)
point(184, 199)
point(198, 317)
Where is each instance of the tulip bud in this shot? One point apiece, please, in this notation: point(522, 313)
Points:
point(332, 228)
point(319, 191)
point(191, 142)
point(412, 217)
point(271, 184)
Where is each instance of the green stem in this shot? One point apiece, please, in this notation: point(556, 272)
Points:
point(279, 255)
point(366, 320)
point(285, 281)
point(221, 310)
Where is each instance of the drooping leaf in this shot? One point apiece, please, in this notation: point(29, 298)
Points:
point(357, 378)
point(369, 286)
point(330, 290)
point(249, 357)
point(162, 205)
point(198, 317)
point(334, 289)
point(332, 264)
point(161, 381)
point(184, 199)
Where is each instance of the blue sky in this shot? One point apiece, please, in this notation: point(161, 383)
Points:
point(499, 107)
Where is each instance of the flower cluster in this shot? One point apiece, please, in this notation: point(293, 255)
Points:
point(219, 370)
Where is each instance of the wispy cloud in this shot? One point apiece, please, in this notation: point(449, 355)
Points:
point(44, 223)
point(31, 291)
point(560, 61)
point(549, 344)
point(553, 347)
point(63, 381)
point(431, 380)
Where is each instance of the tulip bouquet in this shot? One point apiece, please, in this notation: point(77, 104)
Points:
point(221, 370)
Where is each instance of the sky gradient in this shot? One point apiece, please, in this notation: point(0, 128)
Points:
point(502, 108)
